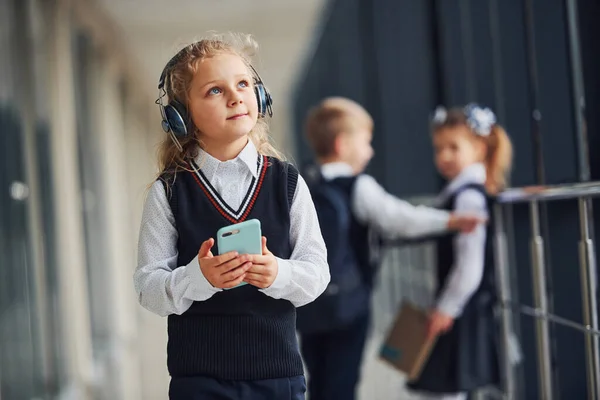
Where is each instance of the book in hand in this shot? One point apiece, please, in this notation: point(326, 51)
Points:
point(407, 346)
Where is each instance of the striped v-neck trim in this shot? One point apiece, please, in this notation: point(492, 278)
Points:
point(217, 201)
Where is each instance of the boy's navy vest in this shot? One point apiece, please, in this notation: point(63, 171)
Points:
point(365, 244)
point(349, 257)
point(241, 333)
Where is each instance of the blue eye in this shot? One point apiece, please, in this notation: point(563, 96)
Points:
point(214, 90)
point(243, 84)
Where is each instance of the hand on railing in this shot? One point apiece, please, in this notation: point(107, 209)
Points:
point(549, 192)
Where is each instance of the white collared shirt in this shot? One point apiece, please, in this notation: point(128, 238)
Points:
point(164, 289)
point(469, 248)
point(390, 216)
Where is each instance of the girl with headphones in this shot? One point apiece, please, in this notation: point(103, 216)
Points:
point(227, 339)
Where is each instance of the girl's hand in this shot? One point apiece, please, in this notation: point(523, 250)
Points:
point(438, 323)
point(264, 268)
point(225, 271)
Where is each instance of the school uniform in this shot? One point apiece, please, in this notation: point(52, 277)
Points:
point(464, 358)
point(333, 357)
point(238, 343)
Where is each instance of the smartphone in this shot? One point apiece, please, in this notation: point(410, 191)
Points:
point(244, 237)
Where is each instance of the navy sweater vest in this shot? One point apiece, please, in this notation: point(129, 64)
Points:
point(241, 333)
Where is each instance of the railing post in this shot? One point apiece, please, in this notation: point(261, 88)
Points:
point(541, 304)
point(504, 295)
point(588, 293)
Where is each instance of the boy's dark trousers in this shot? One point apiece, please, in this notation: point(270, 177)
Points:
point(333, 360)
point(206, 388)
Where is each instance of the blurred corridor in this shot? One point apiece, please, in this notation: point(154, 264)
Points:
point(79, 131)
point(79, 134)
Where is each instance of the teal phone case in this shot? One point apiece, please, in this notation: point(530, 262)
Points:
point(244, 237)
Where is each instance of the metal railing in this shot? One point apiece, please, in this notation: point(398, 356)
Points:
point(534, 195)
point(408, 272)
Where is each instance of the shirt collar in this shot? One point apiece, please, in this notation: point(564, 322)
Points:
point(474, 173)
point(334, 170)
point(247, 157)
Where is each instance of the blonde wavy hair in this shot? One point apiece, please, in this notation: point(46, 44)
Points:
point(177, 86)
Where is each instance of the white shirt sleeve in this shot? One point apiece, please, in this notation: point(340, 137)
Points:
point(391, 216)
point(303, 277)
point(469, 257)
point(161, 287)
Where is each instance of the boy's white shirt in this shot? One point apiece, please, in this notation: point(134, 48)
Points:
point(469, 248)
point(394, 218)
point(164, 289)
point(390, 216)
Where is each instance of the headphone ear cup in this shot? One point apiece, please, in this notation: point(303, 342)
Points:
point(263, 99)
point(176, 116)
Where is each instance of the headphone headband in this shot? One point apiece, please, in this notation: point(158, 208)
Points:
point(170, 64)
point(176, 58)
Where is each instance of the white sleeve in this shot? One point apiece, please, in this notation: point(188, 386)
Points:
point(161, 287)
point(469, 257)
point(391, 216)
point(303, 277)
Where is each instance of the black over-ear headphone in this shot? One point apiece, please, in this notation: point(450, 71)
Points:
point(175, 117)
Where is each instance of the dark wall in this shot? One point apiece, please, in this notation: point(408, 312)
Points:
point(589, 14)
point(356, 58)
point(400, 58)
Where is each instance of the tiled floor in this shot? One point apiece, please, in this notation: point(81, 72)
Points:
point(379, 381)
point(405, 275)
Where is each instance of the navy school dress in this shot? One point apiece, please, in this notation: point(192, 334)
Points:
point(240, 343)
point(464, 358)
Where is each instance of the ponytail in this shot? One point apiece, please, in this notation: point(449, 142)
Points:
point(482, 123)
point(498, 159)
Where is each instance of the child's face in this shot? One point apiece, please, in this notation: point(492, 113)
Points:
point(455, 149)
point(355, 149)
point(222, 102)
